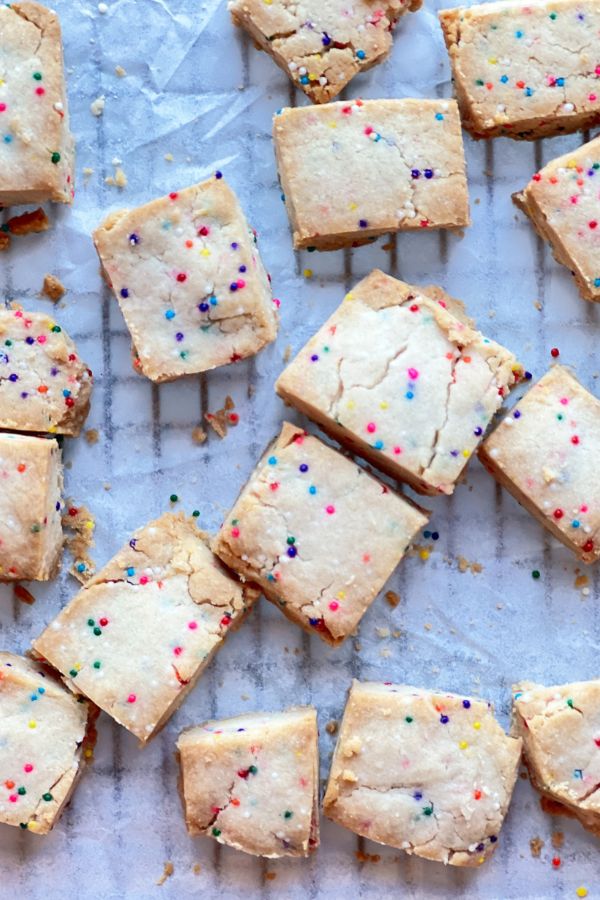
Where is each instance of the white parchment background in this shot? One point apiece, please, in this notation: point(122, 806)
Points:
point(197, 89)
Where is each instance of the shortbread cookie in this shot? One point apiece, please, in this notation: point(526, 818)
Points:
point(430, 773)
point(190, 283)
point(36, 146)
point(354, 170)
point(31, 535)
point(44, 385)
point(252, 782)
point(322, 45)
point(42, 729)
point(546, 452)
point(563, 202)
point(525, 71)
point(560, 728)
point(138, 636)
point(319, 534)
point(399, 379)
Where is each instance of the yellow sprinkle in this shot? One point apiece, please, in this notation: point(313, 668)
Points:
point(90, 525)
point(32, 724)
point(481, 860)
point(205, 252)
point(53, 429)
point(351, 404)
point(341, 595)
point(493, 60)
point(463, 745)
point(332, 124)
point(572, 164)
point(308, 273)
point(349, 296)
point(268, 2)
point(77, 666)
point(476, 725)
point(33, 826)
point(424, 554)
point(383, 405)
point(88, 753)
point(312, 76)
point(581, 892)
point(466, 453)
point(353, 206)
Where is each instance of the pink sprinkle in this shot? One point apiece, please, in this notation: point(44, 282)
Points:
point(132, 698)
point(368, 130)
point(192, 626)
point(28, 767)
point(13, 798)
point(330, 510)
point(397, 450)
point(583, 508)
point(42, 339)
point(276, 302)
point(574, 200)
point(299, 439)
point(366, 557)
point(241, 283)
point(597, 70)
point(235, 532)
point(592, 97)
point(274, 485)
point(371, 427)
point(144, 579)
point(564, 400)
point(40, 91)
point(2, 107)
point(413, 373)
point(334, 605)
point(178, 651)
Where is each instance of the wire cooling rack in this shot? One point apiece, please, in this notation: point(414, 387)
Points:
point(197, 90)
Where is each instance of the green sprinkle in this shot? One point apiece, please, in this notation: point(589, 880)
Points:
point(9, 342)
point(428, 810)
point(196, 513)
point(288, 814)
point(37, 76)
point(91, 622)
point(97, 664)
point(234, 521)
point(55, 158)
point(553, 15)
point(408, 719)
point(73, 673)
point(216, 832)
point(535, 574)
point(97, 631)
point(47, 797)
point(570, 702)
point(253, 770)
point(560, 417)
point(291, 540)
point(56, 329)
point(173, 498)
point(479, 82)
point(21, 791)
point(35, 529)
point(23, 825)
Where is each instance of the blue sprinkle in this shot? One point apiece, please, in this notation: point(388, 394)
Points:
point(41, 690)
point(467, 704)
point(378, 445)
point(361, 54)
point(428, 173)
point(409, 395)
point(435, 536)
point(596, 282)
point(444, 719)
point(439, 116)
point(560, 82)
point(478, 431)
point(418, 795)
point(66, 393)
point(415, 173)
point(203, 307)
point(575, 523)
point(312, 489)
point(131, 571)
point(81, 567)
point(213, 301)
point(504, 79)
point(7, 138)
point(218, 174)
point(170, 314)
point(272, 460)
point(518, 34)
point(304, 79)
point(33, 697)
point(528, 91)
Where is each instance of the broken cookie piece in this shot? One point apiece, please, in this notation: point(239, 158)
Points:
point(318, 533)
point(42, 730)
point(44, 385)
point(138, 636)
point(252, 782)
point(36, 146)
point(431, 773)
point(322, 46)
point(31, 535)
point(351, 171)
point(545, 453)
point(395, 376)
point(560, 729)
point(563, 203)
point(190, 283)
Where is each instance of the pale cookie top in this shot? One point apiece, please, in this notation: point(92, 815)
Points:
point(560, 727)
point(30, 507)
point(190, 283)
point(44, 385)
point(404, 377)
point(548, 447)
point(144, 627)
point(42, 727)
point(36, 147)
point(322, 44)
point(522, 68)
point(431, 773)
point(317, 532)
point(251, 782)
point(563, 200)
point(356, 169)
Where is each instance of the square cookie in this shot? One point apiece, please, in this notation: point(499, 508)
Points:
point(42, 731)
point(354, 170)
point(525, 71)
point(395, 376)
point(44, 385)
point(563, 202)
point(431, 773)
point(545, 453)
point(252, 782)
point(36, 146)
point(190, 283)
point(560, 729)
point(138, 636)
point(319, 534)
point(31, 483)
point(322, 46)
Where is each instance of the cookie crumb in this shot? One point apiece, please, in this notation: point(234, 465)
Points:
point(382, 632)
point(120, 71)
point(536, 845)
point(32, 222)
point(465, 566)
point(168, 870)
point(97, 106)
point(287, 353)
point(169, 157)
point(196, 868)
point(392, 598)
point(198, 435)
point(91, 436)
point(558, 839)
point(367, 857)
point(53, 288)
point(270, 876)
point(331, 727)
point(23, 594)
point(4, 241)
point(220, 420)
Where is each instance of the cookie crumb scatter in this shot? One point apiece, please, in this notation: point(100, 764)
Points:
point(332, 727)
point(558, 839)
point(33, 222)
point(465, 566)
point(119, 179)
point(53, 288)
point(382, 632)
point(367, 857)
point(223, 418)
point(536, 845)
point(168, 870)
point(168, 157)
point(199, 435)
point(23, 594)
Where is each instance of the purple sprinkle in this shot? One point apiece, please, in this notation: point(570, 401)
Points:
point(241, 729)
point(218, 174)
point(54, 371)
point(444, 719)
point(57, 507)
point(467, 704)
point(234, 246)
point(454, 453)
point(480, 847)
point(179, 336)
point(517, 414)
point(133, 543)
point(233, 286)
point(24, 395)
point(314, 357)
point(124, 293)
point(362, 223)
point(428, 173)
point(418, 795)
point(478, 431)
point(303, 467)
point(29, 340)
point(291, 552)
point(203, 307)
point(13, 377)
point(415, 173)
point(134, 239)
point(326, 40)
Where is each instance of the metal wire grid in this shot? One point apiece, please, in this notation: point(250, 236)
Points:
point(125, 819)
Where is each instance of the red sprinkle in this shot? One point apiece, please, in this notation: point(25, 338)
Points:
point(555, 352)
point(558, 514)
point(132, 698)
